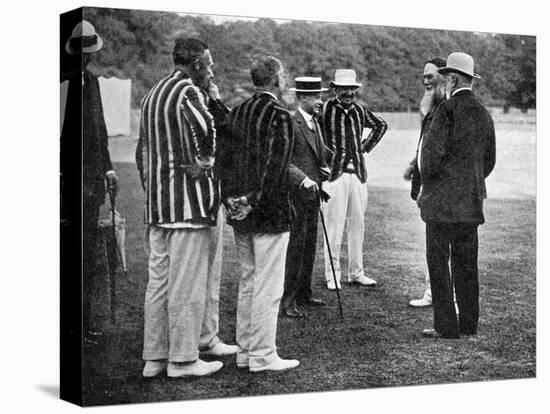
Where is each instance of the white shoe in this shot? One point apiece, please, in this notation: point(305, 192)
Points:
point(332, 286)
point(278, 364)
point(424, 302)
point(420, 303)
point(199, 368)
point(221, 349)
point(153, 368)
point(362, 280)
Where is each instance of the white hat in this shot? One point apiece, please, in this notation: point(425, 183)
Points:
point(345, 77)
point(308, 84)
point(84, 39)
point(460, 62)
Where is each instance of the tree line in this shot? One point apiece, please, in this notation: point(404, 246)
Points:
point(388, 60)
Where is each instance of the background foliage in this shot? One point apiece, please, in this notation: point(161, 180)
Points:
point(388, 60)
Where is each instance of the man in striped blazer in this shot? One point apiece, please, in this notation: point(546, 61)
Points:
point(343, 122)
point(255, 184)
point(175, 156)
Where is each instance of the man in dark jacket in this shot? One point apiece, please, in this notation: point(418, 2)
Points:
point(434, 94)
point(255, 187)
point(456, 156)
point(84, 129)
point(309, 155)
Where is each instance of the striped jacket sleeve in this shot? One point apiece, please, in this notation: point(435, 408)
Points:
point(201, 123)
point(378, 128)
point(141, 151)
point(278, 152)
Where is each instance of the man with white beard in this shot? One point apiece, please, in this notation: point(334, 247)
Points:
point(434, 94)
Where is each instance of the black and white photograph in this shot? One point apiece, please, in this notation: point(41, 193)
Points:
point(313, 209)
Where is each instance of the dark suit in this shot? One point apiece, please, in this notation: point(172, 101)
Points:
point(457, 154)
point(308, 155)
point(84, 125)
point(415, 176)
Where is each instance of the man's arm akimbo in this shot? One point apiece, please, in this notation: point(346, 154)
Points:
point(378, 128)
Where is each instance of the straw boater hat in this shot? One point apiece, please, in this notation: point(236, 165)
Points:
point(308, 84)
point(345, 77)
point(84, 39)
point(461, 63)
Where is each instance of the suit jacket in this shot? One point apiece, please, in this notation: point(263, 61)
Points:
point(458, 153)
point(309, 153)
point(415, 180)
point(255, 161)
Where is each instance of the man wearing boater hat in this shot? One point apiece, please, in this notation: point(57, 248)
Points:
point(343, 122)
point(309, 155)
point(84, 129)
point(455, 157)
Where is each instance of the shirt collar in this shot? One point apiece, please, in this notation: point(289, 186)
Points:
point(342, 106)
point(306, 116)
point(466, 88)
point(259, 92)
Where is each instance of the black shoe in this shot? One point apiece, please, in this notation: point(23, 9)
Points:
point(312, 302)
point(292, 313)
point(433, 334)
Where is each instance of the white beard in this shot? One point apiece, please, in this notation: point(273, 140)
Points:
point(427, 102)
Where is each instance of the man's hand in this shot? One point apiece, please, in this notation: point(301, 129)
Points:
point(309, 185)
point(213, 91)
point(112, 182)
point(238, 208)
point(408, 174)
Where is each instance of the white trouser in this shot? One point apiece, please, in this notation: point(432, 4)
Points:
point(176, 293)
point(348, 204)
point(210, 322)
point(262, 258)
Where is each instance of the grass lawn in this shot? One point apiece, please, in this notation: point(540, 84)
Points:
point(377, 344)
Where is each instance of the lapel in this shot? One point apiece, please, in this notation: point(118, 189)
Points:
point(307, 133)
point(427, 118)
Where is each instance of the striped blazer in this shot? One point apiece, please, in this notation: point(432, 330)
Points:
point(177, 134)
point(255, 160)
point(343, 133)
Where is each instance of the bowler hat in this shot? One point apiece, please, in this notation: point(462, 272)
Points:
point(345, 77)
point(84, 39)
point(461, 63)
point(308, 84)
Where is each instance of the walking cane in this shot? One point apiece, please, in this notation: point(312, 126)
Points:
point(112, 271)
point(330, 256)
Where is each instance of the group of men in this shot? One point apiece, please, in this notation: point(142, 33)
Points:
point(273, 171)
